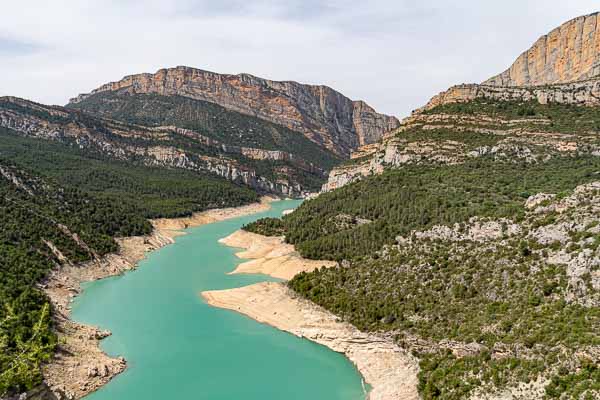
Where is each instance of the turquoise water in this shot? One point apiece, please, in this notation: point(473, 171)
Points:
point(179, 347)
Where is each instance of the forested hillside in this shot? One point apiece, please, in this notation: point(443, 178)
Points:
point(214, 121)
point(473, 241)
point(359, 219)
point(269, 171)
point(43, 225)
point(60, 204)
point(151, 191)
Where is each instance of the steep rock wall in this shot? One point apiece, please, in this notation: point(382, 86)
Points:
point(322, 114)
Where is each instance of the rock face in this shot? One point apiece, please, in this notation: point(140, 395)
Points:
point(569, 53)
point(155, 146)
point(562, 67)
point(585, 93)
point(322, 114)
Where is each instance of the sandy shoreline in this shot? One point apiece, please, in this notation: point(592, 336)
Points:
point(389, 370)
point(79, 366)
point(269, 256)
point(172, 226)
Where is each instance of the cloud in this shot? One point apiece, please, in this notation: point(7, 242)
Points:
point(14, 47)
point(393, 54)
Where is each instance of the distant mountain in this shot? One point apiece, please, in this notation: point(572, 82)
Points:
point(552, 90)
point(271, 171)
point(568, 53)
point(321, 114)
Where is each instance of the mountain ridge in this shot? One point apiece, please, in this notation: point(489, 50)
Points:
point(322, 114)
point(485, 280)
point(165, 146)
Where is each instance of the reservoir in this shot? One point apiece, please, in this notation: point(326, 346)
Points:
point(177, 346)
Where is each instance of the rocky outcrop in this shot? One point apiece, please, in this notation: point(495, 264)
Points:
point(443, 136)
point(322, 114)
point(152, 146)
point(249, 152)
point(585, 93)
point(569, 53)
point(345, 174)
point(561, 67)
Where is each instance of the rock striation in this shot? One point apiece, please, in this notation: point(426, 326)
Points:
point(562, 68)
point(154, 146)
point(568, 53)
point(322, 114)
point(435, 135)
point(584, 93)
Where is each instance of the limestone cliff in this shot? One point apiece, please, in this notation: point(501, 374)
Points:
point(162, 146)
point(322, 114)
point(509, 124)
point(561, 69)
point(569, 53)
point(583, 93)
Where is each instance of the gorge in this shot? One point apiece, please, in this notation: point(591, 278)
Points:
point(452, 255)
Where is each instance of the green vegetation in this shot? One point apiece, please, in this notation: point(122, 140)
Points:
point(417, 197)
point(212, 120)
point(444, 376)
point(504, 297)
point(50, 192)
point(579, 385)
point(552, 117)
point(471, 139)
point(153, 192)
point(39, 224)
point(425, 277)
point(66, 200)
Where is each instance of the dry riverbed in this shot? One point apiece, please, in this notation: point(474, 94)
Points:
point(79, 366)
point(388, 369)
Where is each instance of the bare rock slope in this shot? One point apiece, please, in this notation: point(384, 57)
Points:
point(568, 53)
point(322, 114)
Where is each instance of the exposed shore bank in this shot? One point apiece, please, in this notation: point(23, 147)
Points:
point(389, 370)
point(79, 366)
point(270, 256)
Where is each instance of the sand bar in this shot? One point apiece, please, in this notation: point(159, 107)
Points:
point(270, 256)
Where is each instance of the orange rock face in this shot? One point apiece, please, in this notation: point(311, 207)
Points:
point(569, 53)
point(322, 114)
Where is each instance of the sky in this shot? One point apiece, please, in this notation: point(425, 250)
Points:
point(394, 54)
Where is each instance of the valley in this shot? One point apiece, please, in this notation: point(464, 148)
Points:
point(452, 255)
